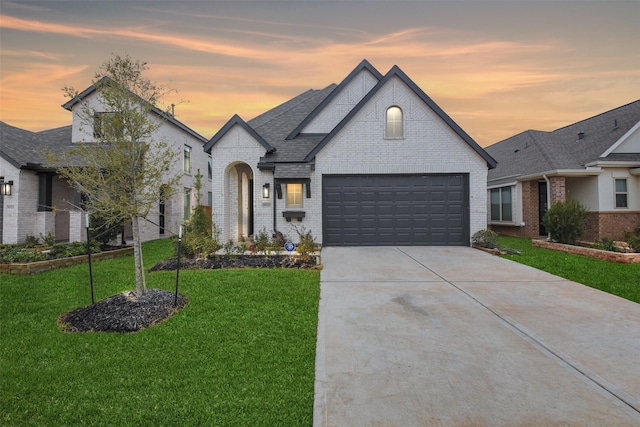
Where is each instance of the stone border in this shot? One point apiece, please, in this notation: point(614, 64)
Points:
point(619, 257)
point(54, 264)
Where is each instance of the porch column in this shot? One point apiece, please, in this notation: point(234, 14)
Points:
point(558, 190)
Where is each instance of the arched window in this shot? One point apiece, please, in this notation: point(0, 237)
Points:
point(393, 127)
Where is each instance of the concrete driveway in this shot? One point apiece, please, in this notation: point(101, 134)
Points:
point(433, 336)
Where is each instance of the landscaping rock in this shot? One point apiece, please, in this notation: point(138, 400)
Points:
point(123, 312)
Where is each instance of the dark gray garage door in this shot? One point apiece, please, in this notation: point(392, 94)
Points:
point(411, 210)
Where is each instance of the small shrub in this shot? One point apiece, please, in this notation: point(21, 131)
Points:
point(262, 242)
point(565, 221)
point(277, 241)
point(31, 241)
point(49, 239)
point(228, 247)
point(605, 244)
point(633, 239)
point(105, 230)
point(306, 242)
point(485, 239)
point(241, 248)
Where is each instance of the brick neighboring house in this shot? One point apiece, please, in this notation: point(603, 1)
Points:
point(370, 161)
point(41, 201)
point(595, 161)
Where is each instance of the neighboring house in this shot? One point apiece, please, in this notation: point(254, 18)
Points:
point(371, 161)
point(32, 190)
point(595, 161)
point(41, 202)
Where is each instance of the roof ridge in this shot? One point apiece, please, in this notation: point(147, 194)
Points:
point(597, 115)
point(290, 105)
point(363, 65)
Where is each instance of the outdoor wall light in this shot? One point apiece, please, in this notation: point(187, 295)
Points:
point(5, 188)
point(266, 191)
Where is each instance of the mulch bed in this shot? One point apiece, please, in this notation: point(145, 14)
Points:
point(123, 312)
point(236, 261)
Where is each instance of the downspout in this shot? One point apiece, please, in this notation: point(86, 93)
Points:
point(274, 197)
point(548, 199)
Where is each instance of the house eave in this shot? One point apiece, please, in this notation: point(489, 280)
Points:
point(590, 171)
point(614, 163)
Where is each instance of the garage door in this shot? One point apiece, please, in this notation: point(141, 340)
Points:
point(411, 210)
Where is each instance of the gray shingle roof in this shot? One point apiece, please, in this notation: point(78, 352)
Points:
point(280, 127)
point(532, 152)
point(276, 124)
point(26, 149)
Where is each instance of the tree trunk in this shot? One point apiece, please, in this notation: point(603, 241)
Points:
point(141, 285)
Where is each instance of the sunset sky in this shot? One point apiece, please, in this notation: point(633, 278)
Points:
point(497, 68)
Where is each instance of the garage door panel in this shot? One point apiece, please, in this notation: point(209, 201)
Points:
point(395, 210)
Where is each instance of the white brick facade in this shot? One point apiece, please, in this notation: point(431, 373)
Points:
point(429, 145)
point(21, 216)
point(237, 153)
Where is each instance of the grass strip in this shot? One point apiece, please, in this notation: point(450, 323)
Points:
point(622, 280)
point(242, 351)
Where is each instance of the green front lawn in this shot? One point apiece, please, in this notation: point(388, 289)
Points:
point(242, 351)
point(622, 280)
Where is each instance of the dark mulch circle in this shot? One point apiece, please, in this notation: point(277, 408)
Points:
point(237, 261)
point(123, 312)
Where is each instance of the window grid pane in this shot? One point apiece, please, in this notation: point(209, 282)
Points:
point(506, 204)
point(495, 204)
point(187, 159)
point(187, 204)
point(294, 195)
point(621, 193)
point(394, 123)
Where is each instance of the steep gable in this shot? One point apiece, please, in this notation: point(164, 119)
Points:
point(237, 121)
point(396, 72)
point(88, 92)
point(341, 100)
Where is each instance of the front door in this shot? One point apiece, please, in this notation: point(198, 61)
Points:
point(542, 206)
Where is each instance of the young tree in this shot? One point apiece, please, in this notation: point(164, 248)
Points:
point(121, 170)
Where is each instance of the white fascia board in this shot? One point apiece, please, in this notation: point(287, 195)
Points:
point(621, 140)
point(613, 163)
point(503, 184)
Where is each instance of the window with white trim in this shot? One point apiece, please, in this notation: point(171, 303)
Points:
point(187, 159)
point(294, 196)
point(393, 123)
point(621, 193)
point(502, 204)
point(209, 167)
point(186, 204)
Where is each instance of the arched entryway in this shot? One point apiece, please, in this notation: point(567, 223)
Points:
point(238, 201)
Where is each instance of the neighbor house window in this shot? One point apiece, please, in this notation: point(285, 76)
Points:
point(393, 128)
point(187, 204)
point(501, 204)
point(621, 193)
point(104, 124)
point(209, 168)
point(187, 159)
point(294, 195)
